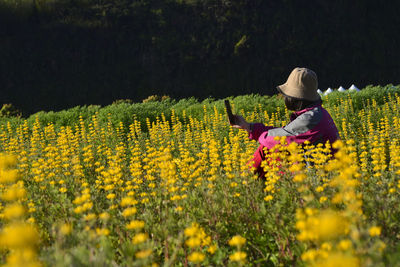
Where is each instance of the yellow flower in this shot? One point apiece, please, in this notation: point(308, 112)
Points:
point(104, 216)
point(176, 197)
point(126, 201)
point(212, 249)
point(374, 231)
point(206, 240)
point(237, 240)
point(330, 225)
point(345, 244)
point(13, 193)
point(319, 189)
point(87, 205)
point(135, 224)
point(109, 187)
point(12, 236)
point(23, 257)
point(338, 144)
point(78, 209)
point(323, 227)
point(268, 198)
point(90, 216)
point(295, 167)
point(62, 189)
point(238, 256)
point(338, 259)
point(111, 196)
point(139, 238)
point(102, 231)
point(32, 209)
point(196, 257)
point(193, 242)
point(85, 191)
point(326, 246)
point(66, 229)
point(299, 177)
point(8, 176)
point(13, 211)
point(309, 255)
point(192, 230)
point(129, 212)
point(323, 199)
point(178, 209)
point(143, 253)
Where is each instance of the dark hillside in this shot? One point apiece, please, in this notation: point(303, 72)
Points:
point(62, 53)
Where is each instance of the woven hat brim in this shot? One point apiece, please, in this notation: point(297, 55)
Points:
point(283, 89)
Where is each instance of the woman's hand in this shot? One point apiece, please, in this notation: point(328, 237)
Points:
point(241, 123)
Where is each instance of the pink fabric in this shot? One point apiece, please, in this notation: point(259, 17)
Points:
point(324, 131)
point(258, 158)
point(258, 129)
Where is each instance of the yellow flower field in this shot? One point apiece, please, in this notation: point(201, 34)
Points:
point(181, 194)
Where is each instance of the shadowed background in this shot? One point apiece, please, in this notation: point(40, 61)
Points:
point(56, 54)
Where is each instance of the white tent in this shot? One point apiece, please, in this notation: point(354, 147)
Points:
point(328, 91)
point(353, 88)
point(341, 89)
point(319, 92)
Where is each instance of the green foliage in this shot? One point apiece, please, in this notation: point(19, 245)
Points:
point(155, 98)
point(65, 117)
point(120, 101)
point(361, 98)
point(125, 111)
point(8, 110)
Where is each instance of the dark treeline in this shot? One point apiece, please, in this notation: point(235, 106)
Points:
point(62, 53)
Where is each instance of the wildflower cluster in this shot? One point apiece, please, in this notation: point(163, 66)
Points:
point(238, 256)
point(19, 237)
point(101, 192)
point(198, 241)
point(335, 231)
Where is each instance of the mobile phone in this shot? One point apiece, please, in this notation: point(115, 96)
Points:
point(231, 117)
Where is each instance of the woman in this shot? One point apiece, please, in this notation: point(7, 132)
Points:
point(309, 121)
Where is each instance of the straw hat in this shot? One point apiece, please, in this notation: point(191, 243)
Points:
point(301, 84)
